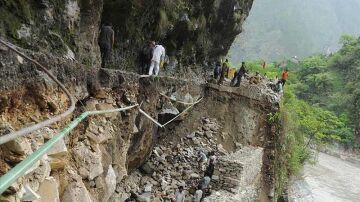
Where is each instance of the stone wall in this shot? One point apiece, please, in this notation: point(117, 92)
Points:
point(227, 174)
point(238, 176)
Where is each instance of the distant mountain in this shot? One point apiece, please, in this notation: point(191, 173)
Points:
point(278, 29)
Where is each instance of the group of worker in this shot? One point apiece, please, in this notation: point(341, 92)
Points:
point(152, 57)
point(222, 71)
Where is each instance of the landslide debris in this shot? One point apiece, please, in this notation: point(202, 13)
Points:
point(174, 163)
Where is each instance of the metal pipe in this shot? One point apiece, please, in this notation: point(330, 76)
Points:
point(19, 170)
point(24, 131)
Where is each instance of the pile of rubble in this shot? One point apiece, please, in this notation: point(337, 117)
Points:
point(175, 164)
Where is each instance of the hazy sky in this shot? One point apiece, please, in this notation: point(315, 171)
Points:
point(278, 29)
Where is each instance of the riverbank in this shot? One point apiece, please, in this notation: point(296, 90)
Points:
point(330, 178)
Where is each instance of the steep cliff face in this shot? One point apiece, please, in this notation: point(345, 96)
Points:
point(95, 162)
point(193, 32)
point(101, 147)
point(98, 161)
point(65, 28)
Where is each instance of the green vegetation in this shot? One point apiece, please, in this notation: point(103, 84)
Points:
point(331, 86)
point(320, 105)
point(12, 14)
point(322, 94)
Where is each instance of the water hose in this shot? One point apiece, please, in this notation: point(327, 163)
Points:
point(24, 131)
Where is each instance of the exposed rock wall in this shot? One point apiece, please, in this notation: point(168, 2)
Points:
point(67, 29)
point(243, 118)
point(240, 174)
point(239, 169)
point(193, 32)
point(115, 144)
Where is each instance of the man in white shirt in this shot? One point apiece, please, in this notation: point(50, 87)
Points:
point(158, 56)
point(180, 195)
point(198, 195)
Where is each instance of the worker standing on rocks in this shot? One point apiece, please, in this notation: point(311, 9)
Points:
point(284, 77)
point(224, 72)
point(255, 79)
point(146, 56)
point(158, 57)
point(217, 70)
point(202, 160)
point(180, 195)
point(239, 74)
point(198, 194)
point(106, 43)
point(212, 158)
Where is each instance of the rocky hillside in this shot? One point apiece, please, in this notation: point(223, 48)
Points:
point(109, 156)
point(100, 159)
point(193, 32)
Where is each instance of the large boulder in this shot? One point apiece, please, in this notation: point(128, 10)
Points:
point(167, 113)
point(58, 150)
point(88, 160)
point(48, 190)
point(147, 168)
point(76, 191)
point(110, 181)
point(19, 146)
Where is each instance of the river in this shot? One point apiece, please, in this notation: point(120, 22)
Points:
point(329, 179)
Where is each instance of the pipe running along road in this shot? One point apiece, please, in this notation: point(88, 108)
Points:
point(24, 131)
point(19, 170)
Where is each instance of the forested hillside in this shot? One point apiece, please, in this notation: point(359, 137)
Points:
point(333, 82)
point(281, 29)
point(322, 97)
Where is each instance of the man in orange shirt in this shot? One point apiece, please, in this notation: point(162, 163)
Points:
point(284, 77)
